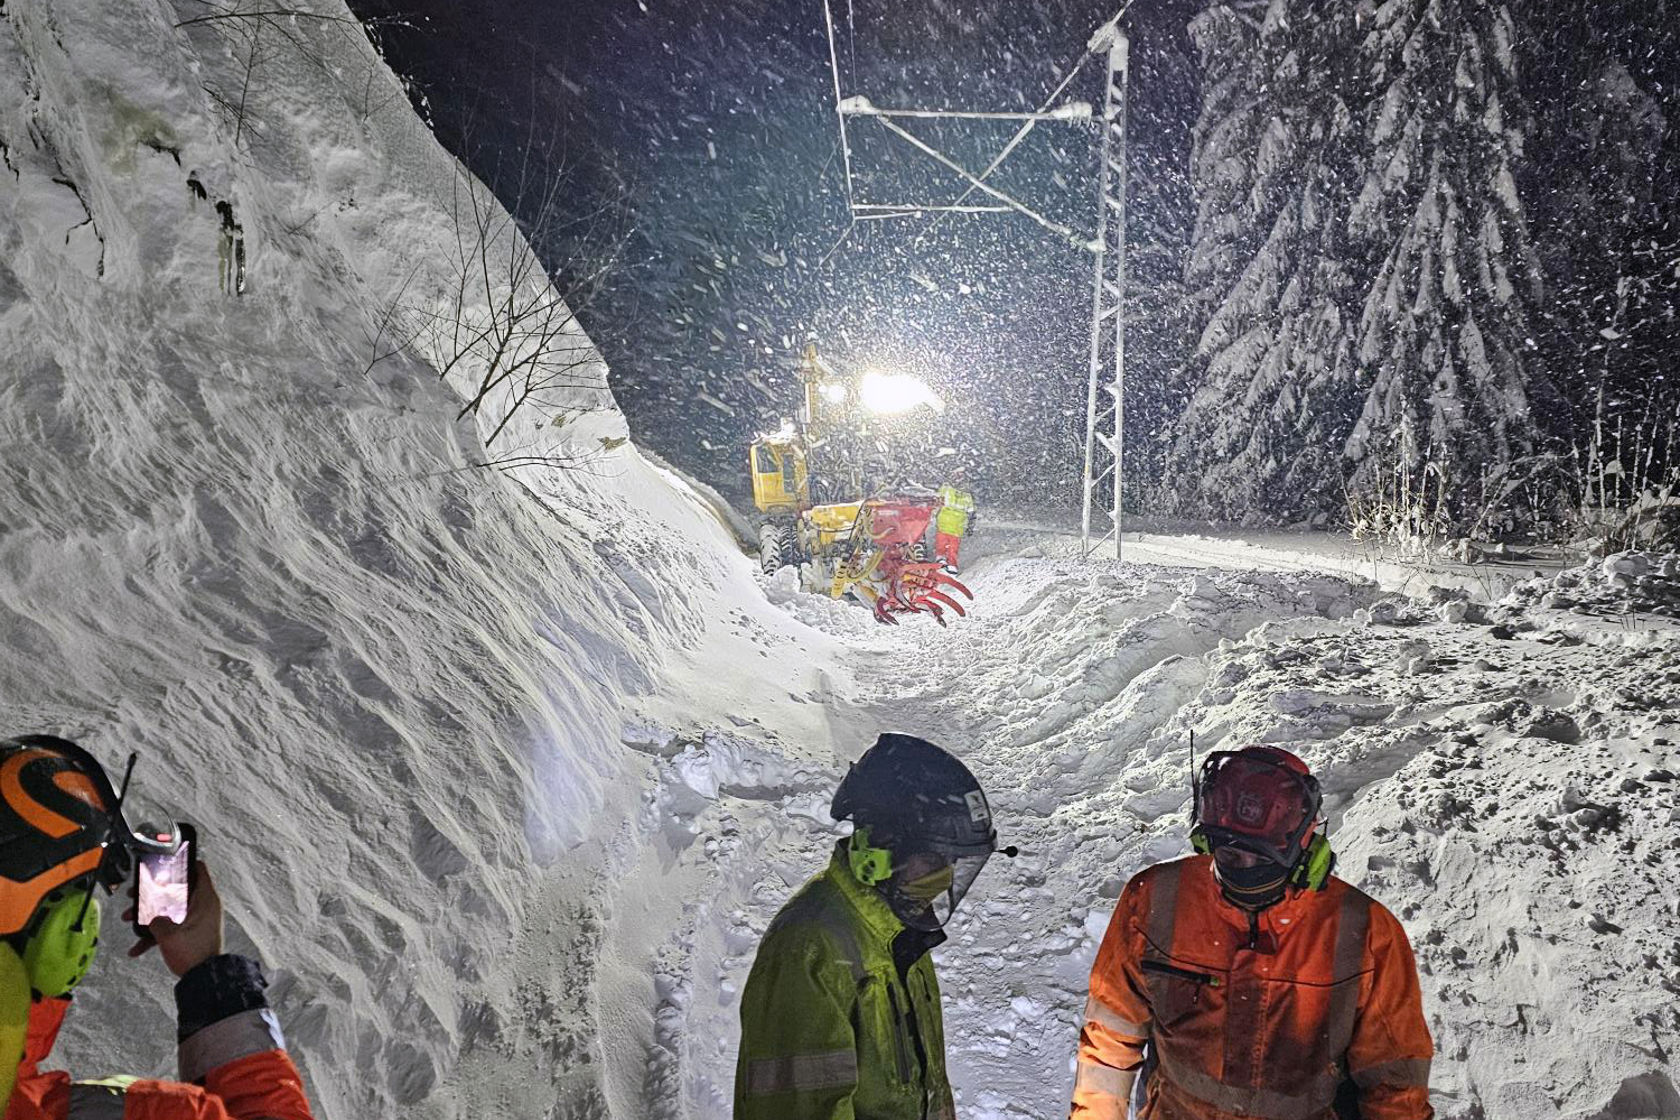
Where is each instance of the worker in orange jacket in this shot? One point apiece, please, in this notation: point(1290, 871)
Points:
point(1247, 981)
point(64, 834)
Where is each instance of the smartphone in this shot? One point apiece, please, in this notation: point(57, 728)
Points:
point(163, 882)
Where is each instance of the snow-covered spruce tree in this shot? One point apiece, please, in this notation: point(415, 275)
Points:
point(1459, 415)
point(1221, 164)
point(1269, 266)
point(1221, 177)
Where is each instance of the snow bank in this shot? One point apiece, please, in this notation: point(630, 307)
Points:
point(1621, 585)
point(388, 685)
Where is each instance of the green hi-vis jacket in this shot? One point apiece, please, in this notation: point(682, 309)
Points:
point(840, 1019)
point(954, 514)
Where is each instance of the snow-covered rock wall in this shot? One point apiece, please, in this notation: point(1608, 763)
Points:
point(388, 685)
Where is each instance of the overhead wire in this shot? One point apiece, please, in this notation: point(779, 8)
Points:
point(1021, 133)
point(933, 153)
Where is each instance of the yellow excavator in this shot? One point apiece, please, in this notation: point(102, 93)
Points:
point(869, 546)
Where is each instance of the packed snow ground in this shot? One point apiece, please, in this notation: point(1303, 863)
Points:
point(1500, 777)
point(503, 775)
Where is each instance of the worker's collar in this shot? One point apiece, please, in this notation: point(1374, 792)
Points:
point(871, 908)
point(46, 1016)
point(1294, 898)
point(911, 945)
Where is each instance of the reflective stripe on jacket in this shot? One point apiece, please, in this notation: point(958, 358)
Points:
point(954, 514)
point(1263, 1022)
point(830, 1030)
point(241, 1070)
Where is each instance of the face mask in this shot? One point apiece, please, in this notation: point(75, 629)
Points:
point(926, 901)
point(1252, 887)
point(930, 886)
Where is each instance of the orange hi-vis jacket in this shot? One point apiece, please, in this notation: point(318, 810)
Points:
point(1251, 1015)
point(232, 1069)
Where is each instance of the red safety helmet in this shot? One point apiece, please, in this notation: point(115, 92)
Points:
point(1262, 800)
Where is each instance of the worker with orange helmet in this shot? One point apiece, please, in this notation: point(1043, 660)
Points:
point(64, 835)
point(1248, 981)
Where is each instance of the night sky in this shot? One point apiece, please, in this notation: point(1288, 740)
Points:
point(700, 159)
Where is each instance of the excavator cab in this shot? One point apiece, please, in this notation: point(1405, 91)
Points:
point(781, 478)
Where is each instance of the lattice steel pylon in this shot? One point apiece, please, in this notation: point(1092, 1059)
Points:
point(1105, 414)
point(1105, 405)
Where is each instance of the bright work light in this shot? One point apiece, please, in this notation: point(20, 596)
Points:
point(889, 393)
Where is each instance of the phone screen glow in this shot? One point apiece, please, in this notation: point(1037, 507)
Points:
point(163, 886)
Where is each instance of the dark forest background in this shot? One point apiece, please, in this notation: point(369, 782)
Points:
point(1414, 264)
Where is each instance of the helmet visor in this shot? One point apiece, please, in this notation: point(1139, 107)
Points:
point(926, 887)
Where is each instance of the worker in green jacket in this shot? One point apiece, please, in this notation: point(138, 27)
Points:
point(952, 523)
point(840, 1019)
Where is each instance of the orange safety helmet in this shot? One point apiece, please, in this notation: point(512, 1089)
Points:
point(60, 823)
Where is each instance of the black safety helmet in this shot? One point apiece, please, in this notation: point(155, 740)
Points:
point(923, 828)
point(909, 791)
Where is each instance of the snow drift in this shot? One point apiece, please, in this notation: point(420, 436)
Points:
point(388, 686)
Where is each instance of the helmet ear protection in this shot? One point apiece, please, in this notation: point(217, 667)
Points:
point(1313, 872)
point(57, 951)
point(61, 941)
point(870, 866)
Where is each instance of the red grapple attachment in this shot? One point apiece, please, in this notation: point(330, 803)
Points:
point(885, 570)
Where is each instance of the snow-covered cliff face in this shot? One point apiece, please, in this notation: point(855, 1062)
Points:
point(388, 686)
